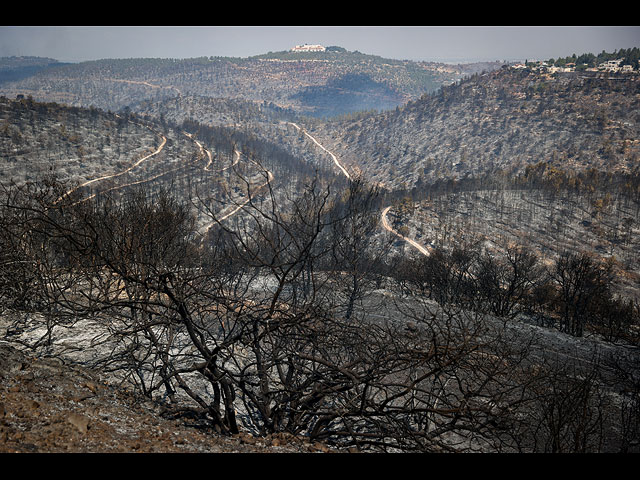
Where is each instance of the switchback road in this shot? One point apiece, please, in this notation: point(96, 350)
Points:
point(386, 226)
point(385, 222)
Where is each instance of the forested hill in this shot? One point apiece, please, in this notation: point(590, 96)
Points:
point(16, 68)
point(317, 84)
point(506, 119)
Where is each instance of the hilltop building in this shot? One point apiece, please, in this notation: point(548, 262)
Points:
point(616, 66)
point(544, 67)
point(308, 48)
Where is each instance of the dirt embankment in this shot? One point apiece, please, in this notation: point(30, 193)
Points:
point(49, 407)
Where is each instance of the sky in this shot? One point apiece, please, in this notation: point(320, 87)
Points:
point(420, 43)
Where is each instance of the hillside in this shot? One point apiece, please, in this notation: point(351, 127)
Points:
point(217, 268)
point(506, 119)
point(47, 406)
point(39, 139)
point(17, 68)
point(318, 84)
point(98, 154)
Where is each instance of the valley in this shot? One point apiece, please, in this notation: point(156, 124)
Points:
point(434, 267)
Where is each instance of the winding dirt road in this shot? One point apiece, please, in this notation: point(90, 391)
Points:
point(113, 175)
point(270, 177)
point(413, 243)
point(383, 216)
point(240, 206)
point(335, 159)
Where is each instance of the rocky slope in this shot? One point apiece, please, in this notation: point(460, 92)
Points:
point(47, 406)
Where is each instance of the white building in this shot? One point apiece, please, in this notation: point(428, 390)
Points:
point(611, 65)
point(308, 48)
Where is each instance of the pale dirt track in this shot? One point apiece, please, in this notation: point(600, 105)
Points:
point(383, 216)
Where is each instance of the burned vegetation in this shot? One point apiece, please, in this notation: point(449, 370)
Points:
point(268, 299)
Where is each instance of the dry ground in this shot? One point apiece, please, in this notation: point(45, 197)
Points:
point(49, 407)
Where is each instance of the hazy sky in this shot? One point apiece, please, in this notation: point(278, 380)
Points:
point(430, 43)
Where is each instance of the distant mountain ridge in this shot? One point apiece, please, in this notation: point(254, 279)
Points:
point(17, 68)
point(327, 83)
